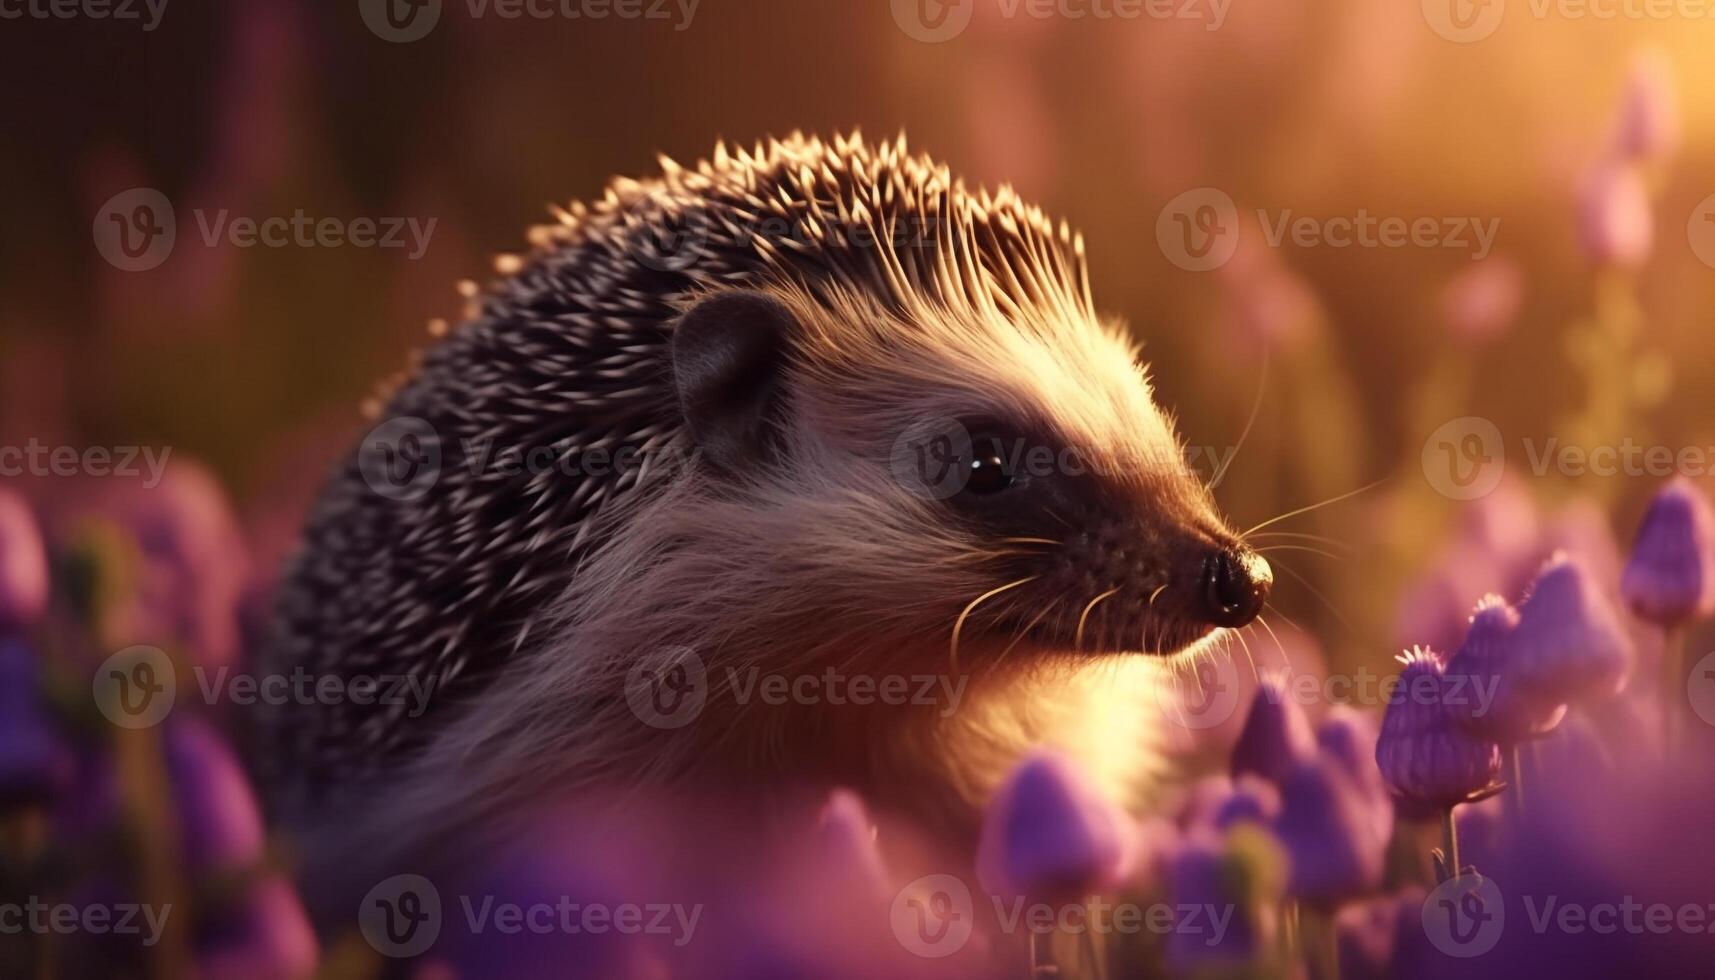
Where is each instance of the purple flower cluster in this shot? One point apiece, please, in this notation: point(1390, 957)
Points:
point(162, 565)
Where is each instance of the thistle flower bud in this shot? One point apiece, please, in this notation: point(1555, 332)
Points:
point(1253, 800)
point(845, 842)
point(23, 565)
point(1245, 872)
point(1615, 222)
point(1648, 125)
point(1569, 645)
point(1331, 840)
point(265, 934)
point(36, 766)
point(1670, 578)
point(219, 820)
point(1276, 736)
point(1482, 302)
point(1050, 834)
point(1487, 692)
point(1422, 754)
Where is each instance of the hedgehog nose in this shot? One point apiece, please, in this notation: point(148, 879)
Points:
point(1236, 582)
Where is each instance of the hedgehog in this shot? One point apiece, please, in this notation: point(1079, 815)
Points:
point(811, 410)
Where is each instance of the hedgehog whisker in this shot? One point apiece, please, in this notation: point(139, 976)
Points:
point(1317, 593)
point(1300, 547)
point(1317, 506)
point(1078, 636)
point(1256, 408)
point(1045, 541)
point(1247, 648)
point(1279, 647)
point(1323, 538)
point(959, 624)
point(1022, 633)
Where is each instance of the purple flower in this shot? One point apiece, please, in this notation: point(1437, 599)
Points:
point(1482, 302)
point(1048, 834)
point(1422, 754)
point(1487, 692)
point(1348, 738)
point(1670, 578)
point(23, 565)
point(845, 845)
point(1615, 223)
point(1253, 800)
point(1276, 736)
point(1242, 872)
point(172, 563)
point(35, 764)
point(1648, 128)
point(219, 820)
point(1569, 645)
point(265, 936)
point(1331, 838)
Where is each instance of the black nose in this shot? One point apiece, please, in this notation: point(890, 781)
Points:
point(1235, 585)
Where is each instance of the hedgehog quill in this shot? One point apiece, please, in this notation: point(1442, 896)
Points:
point(873, 429)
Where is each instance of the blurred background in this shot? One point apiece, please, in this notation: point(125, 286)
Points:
point(1576, 137)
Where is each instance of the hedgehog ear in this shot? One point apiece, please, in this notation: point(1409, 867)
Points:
point(729, 352)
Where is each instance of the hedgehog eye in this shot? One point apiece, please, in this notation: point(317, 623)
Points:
point(988, 471)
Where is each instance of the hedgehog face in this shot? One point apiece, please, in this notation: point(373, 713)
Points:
point(1008, 479)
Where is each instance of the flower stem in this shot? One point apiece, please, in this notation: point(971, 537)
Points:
point(1672, 686)
point(1321, 951)
point(1519, 798)
point(1450, 844)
